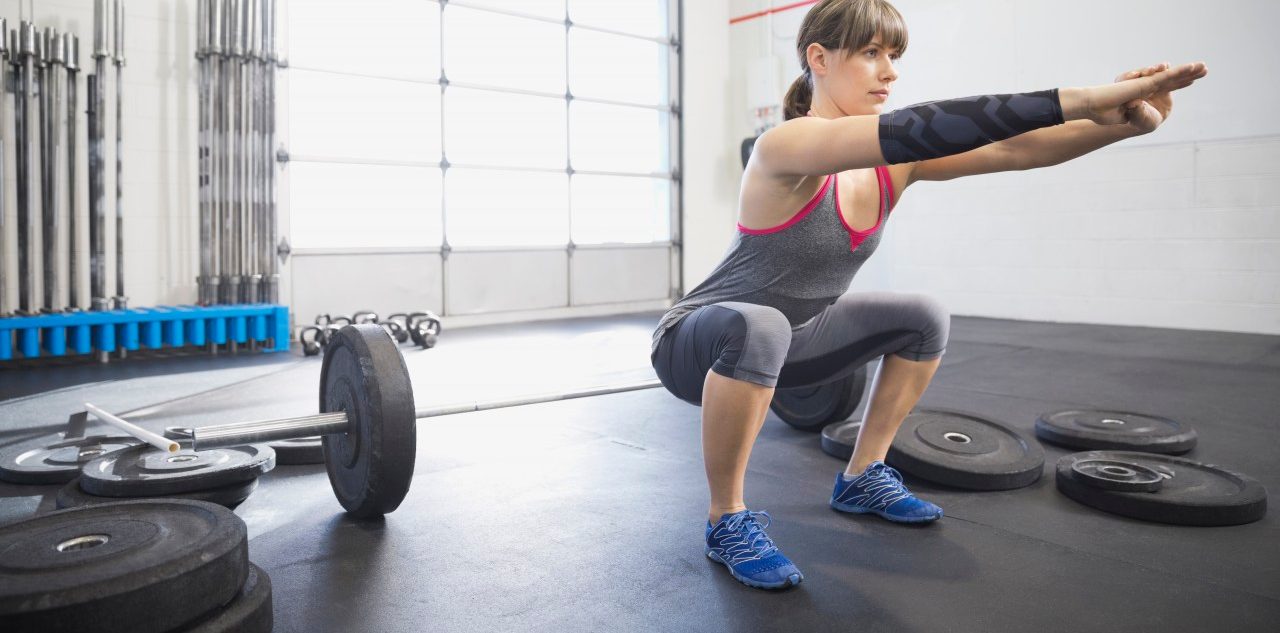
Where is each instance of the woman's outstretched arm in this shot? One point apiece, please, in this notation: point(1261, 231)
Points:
point(1052, 146)
point(813, 146)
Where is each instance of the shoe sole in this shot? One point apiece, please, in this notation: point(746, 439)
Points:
point(791, 581)
point(884, 515)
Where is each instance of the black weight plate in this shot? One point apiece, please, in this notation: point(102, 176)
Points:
point(838, 438)
point(229, 496)
point(142, 566)
point(298, 451)
point(1192, 493)
point(1110, 474)
point(965, 451)
point(811, 408)
point(248, 612)
point(1115, 430)
point(371, 467)
point(53, 460)
point(146, 471)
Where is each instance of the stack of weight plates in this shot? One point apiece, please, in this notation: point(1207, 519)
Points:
point(143, 566)
point(225, 476)
point(1161, 488)
point(56, 459)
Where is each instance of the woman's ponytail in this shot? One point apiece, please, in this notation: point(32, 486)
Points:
point(797, 102)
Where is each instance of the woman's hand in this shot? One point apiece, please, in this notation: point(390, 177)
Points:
point(1145, 115)
point(1116, 103)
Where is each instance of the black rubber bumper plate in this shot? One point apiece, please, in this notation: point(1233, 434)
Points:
point(363, 374)
point(812, 408)
point(1192, 493)
point(54, 460)
point(139, 566)
point(299, 451)
point(229, 496)
point(146, 471)
point(838, 438)
point(1115, 430)
point(965, 451)
point(249, 612)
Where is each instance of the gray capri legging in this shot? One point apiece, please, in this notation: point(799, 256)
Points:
point(757, 344)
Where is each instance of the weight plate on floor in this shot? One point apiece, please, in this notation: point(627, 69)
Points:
point(298, 451)
point(53, 460)
point(146, 471)
point(1110, 474)
point(248, 612)
point(371, 467)
point(1192, 493)
point(811, 408)
point(965, 451)
point(838, 438)
point(1115, 430)
point(142, 566)
point(229, 496)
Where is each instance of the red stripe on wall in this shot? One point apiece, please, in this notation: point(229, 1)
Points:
point(760, 14)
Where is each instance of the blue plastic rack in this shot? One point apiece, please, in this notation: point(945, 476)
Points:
point(152, 328)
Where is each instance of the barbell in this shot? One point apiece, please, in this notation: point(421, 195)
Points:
point(368, 419)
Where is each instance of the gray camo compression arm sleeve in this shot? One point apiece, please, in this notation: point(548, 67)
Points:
point(953, 126)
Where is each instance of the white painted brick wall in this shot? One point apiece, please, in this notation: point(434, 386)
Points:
point(1184, 235)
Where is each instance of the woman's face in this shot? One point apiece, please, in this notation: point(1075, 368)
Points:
point(852, 83)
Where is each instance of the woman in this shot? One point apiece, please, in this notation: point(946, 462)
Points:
point(814, 200)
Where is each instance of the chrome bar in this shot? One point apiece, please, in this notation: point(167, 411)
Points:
point(5, 307)
point(431, 412)
point(240, 433)
point(206, 437)
point(121, 301)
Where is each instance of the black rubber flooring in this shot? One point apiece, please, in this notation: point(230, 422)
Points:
point(586, 515)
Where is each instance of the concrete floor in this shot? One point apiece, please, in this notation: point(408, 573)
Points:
point(587, 514)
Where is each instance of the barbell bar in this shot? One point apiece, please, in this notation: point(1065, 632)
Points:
point(368, 419)
point(240, 433)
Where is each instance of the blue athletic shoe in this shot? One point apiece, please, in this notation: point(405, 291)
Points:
point(738, 542)
point(879, 490)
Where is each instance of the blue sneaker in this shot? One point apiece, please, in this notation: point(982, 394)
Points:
point(879, 490)
point(738, 542)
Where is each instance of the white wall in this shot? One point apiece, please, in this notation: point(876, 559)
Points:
point(160, 194)
point(1180, 228)
point(711, 164)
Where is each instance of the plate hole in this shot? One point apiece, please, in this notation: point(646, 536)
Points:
point(83, 542)
point(1119, 471)
point(959, 438)
point(183, 458)
point(1112, 421)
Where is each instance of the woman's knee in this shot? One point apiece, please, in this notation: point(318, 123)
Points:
point(754, 344)
point(933, 320)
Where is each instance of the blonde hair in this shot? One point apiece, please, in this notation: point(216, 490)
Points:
point(845, 25)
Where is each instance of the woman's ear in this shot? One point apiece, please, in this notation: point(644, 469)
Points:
point(818, 57)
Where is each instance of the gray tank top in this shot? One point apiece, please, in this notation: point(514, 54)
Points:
point(799, 267)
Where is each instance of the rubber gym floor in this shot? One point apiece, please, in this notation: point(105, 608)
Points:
point(587, 515)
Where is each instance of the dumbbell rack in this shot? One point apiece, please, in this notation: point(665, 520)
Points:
point(153, 328)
